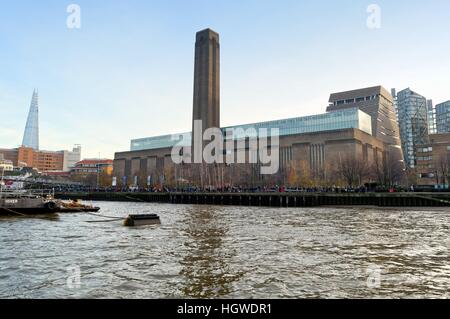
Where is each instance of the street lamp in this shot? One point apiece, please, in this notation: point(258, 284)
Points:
point(98, 172)
point(98, 175)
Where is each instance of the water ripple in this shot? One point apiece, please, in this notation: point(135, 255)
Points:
point(226, 252)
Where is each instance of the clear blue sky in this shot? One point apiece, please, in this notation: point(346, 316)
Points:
point(128, 72)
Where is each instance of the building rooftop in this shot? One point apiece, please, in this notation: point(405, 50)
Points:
point(7, 162)
point(360, 93)
point(208, 31)
point(95, 161)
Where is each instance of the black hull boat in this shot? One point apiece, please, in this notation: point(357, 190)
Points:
point(21, 204)
point(27, 204)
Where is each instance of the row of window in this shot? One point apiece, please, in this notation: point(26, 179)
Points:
point(426, 175)
point(425, 149)
point(424, 158)
point(356, 100)
point(85, 170)
point(93, 165)
point(344, 119)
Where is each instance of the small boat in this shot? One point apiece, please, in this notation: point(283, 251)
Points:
point(142, 220)
point(76, 207)
point(20, 203)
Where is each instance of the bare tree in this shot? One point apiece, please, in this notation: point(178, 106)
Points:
point(388, 171)
point(353, 170)
point(442, 167)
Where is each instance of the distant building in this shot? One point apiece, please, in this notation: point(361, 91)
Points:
point(443, 117)
point(31, 134)
point(5, 165)
point(93, 166)
point(412, 111)
point(394, 100)
point(431, 117)
point(433, 161)
point(96, 172)
point(71, 158)
point(10, 155)
point(43, 161)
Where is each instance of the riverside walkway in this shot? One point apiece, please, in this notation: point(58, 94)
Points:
point(273, 199)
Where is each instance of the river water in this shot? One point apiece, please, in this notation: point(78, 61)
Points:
point(228, 252)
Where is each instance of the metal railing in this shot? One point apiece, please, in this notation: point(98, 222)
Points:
point(43, 193)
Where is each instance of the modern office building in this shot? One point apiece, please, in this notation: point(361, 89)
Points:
point(443, 117)
point(360, 124)
point(31, 134)
point(43, 161)
point(71, 158)
point(433, 162)
point(413, 121)
point(378, 103)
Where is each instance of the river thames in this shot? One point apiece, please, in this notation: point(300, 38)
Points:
point(228, 252)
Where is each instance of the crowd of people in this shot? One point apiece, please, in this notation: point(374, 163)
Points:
point(227, 189)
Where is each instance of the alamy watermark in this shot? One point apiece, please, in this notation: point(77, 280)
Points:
point(238, 146)
point(73, 277)
point(373, 273)
point(74, 18)
point(374, 19)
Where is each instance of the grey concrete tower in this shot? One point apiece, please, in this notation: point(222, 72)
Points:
point(207, 80)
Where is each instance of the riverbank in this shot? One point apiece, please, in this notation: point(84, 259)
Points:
point(274, 199)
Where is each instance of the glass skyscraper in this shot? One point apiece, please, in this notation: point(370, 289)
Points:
point(412, 111)
point(31, 134)
point(443, 117)
point(431, 117)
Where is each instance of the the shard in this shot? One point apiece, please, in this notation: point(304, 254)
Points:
point(31, 135)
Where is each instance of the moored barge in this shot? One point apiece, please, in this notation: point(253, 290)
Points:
point(26, 203)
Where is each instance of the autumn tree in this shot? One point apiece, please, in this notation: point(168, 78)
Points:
point(169, 176)
point(442, 169)
point(292, 174)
